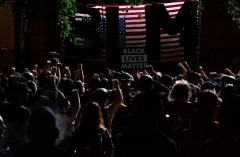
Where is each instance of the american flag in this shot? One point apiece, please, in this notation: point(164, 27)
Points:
point(132, 30)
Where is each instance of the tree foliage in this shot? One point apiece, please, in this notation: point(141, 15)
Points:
point(67, 10)
point(233, 9)
point(64, 10)
point(6, 6)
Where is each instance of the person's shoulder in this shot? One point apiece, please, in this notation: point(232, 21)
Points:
point(60, 94)
point(25, 110)
point(5, 105)
point(165, 138)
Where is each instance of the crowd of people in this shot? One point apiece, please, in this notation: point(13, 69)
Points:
point(56, 111)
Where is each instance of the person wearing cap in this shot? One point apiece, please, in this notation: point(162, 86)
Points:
point(15, 117)
point(208, 85)
point(125, 79)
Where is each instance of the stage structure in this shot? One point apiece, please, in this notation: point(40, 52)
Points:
point(135, 37)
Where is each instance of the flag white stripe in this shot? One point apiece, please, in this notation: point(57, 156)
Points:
point(170, 44)
point(136, 30)
point(170, 39)
point(82, 15)
point(132, 16)
point(173, 8)
point(135, 25)
point(137, 20)
point(173, 13)
point(135, 7)
point(172, 4)
point(78, 19)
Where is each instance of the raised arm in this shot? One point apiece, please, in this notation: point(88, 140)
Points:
point(79, 73)
point(54, 72)
point(46, 68)
point(58, 73)
point(75, 105)
point(67, 72)
point(229, 72)
point(184, 70)
point(201, 71)
point(185, 64)
point(113, 107)
point(119, 96)
point(35, 70)
point(87, 84)
point(152, 72)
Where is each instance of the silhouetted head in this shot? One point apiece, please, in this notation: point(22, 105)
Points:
point(167, 80)
point(145, 83)
point(19, 93)
point(65, 86)
point(100, 96)
point(64, 105)
point(79, 86)
point(207, 102)
point(148, 108)
point(181, 91)
point(125, 80)
point(33, 86)
point(42, 126)
point(28, 76)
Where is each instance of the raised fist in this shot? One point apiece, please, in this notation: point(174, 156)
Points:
point(95, 76)
point(115, 82)
point(79, 66)
point(149, 68)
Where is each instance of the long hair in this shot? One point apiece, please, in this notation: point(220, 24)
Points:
point(91, 117)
